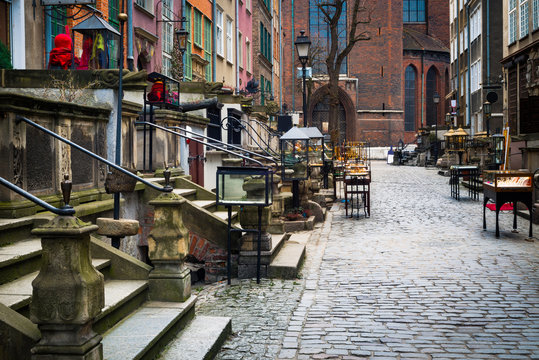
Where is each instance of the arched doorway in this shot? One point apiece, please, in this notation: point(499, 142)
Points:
point(319, 111)
point(320, 118)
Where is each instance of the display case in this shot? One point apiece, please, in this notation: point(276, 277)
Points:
point(294, 155)
point(316, 145)
point(244, 186)
point(498, 147)
point(164, 92)
point(507, 180)
point(507, 186)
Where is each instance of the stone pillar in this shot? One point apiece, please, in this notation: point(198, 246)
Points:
point(168, 245)
point(68, 293)
point(277, 207)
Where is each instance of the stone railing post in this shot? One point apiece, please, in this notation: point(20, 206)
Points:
point(168, 245)
point(68, 293)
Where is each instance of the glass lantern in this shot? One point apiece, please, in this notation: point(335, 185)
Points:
point(459, 139)
point(244, 186)
point(100, 44)
point(498, 145)
point(294, 155)
point(316, 143)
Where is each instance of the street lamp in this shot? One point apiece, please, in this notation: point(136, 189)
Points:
point(487, 110)
point(436, 100)
point(181, 37)
point(302, 46)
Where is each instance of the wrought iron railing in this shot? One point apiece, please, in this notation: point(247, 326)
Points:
point(166, 188)
point(241, 124)
point(212, 144)
point(64, 210)
point(225, 145)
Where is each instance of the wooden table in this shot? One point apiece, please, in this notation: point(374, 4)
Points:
point(460, 171)
point(356, 185)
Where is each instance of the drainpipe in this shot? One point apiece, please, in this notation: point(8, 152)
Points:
point(48, 36)
point(469, 59)
point(280, 60)
point(271, 47)
point(214, 38)
point(293, 54)
point(458, 62)
point(237, 49)
point(422, 87)
point(488, 41)
point(130, 57)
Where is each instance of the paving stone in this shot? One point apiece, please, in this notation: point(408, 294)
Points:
point(419, 279)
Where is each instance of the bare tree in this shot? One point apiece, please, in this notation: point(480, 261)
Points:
point(332, 10)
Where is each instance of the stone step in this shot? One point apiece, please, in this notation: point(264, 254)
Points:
point(200, 340)
point(122, 297)
point(13, 230)
point(248, 259)
point(18, 293)
point(205, 204)
point(189, 194)
point(290, 258)
point(19, 259)
point(146, 331)
point(224, 215)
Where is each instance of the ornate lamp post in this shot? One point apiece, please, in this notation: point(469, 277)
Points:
point(302, 46)
point(487, 110)
point(181, 37)
point(435, 100)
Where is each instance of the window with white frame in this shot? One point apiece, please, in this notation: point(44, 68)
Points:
point(475, 76)
point(475, 22)
point(240, 50)
point(461, 41)
point(248, 55)
point(524, 18)
point(168, 36)
point(146, 4)
point(229, 48)
point(219, 39)
point(512, 33)
point(535, 14)
point(466, 38)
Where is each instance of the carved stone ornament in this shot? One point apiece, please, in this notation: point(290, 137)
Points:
point(212, 87)
point(17, 156)
point(272, 108)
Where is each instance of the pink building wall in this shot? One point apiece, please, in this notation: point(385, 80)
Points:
point(245, 25)
point(148, 33)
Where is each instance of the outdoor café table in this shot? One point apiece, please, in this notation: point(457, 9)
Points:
point(460, 171)
point(357, 184)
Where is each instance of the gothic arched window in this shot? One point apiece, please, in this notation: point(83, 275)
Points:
point(409, 98)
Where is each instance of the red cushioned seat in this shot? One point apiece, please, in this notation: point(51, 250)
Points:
point(505, 207)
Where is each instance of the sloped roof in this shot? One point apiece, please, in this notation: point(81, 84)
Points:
point(415, 40)
point(95, 23)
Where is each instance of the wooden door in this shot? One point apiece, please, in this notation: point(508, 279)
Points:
point(196, 162)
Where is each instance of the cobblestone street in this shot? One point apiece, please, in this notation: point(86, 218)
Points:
point(419, 279)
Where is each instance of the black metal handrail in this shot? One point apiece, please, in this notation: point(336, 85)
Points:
point(268, 158)
point(199, 141)
point(242, 124)
point(166, 188)
point(66, 210)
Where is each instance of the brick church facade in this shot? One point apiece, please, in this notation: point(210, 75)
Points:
point(388, 82)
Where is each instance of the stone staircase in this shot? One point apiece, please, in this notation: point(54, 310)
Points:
point(132, 326)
